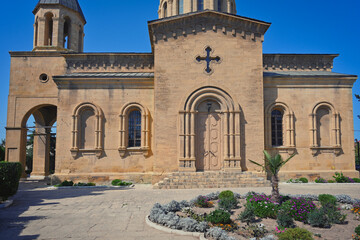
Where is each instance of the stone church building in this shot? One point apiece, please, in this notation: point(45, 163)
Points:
point(204, 101)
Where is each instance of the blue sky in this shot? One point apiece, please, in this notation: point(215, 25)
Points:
point(307, 26)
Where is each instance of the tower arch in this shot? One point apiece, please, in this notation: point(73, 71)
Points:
point(168, 8)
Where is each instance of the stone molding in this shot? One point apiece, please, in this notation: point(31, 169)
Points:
point(194, 23)
point(109, 61)
point(299, 62)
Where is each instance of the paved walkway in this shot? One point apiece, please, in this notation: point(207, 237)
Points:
point(108, 213)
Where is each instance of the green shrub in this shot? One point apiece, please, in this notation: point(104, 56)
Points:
point(334, 215)
point(340, 178)
point(257, 230)
point(357, 230)
point(263, 206)
point(320, 180)
point(118, 182)
point(331, 181)
point(357, 180)
point(319, 218)
point(248, 215)
point(226, 194)
point(284, 220)
point(67, 184)
point(228, 204)
point(80, 184)
point(10, 174)
point(203, 202)
point(296, 234)
point(327, 200)
point(219, 216)
point(298, 208)
point(303, 180)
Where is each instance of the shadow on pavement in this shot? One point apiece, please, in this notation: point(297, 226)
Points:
point(13, 220)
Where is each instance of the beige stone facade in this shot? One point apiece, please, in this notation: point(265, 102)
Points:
point(205, 99)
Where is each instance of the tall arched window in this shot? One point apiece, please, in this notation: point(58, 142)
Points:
point(87, 128)
point(325, 129)
point(134, 129)
point(87, 133)
point(67, 30)
point(277, 128)
point(200, 5)
point(165, 10)
point(36, 32)
point(80, 40)
point(48, 29)
point(323, 125)
point(220, 2)
point(180, 6)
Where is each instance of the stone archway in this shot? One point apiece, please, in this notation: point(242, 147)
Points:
point(195, 136)
point(45, 117)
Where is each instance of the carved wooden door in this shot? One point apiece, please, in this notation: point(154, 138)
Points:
point(208, 147)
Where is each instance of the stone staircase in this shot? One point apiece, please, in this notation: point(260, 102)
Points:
point(191, 180)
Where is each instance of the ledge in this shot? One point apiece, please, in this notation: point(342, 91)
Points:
point(75, 152)
point(336, 150)
point(132, 151)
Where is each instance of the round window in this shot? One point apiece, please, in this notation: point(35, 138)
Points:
point(44, 78)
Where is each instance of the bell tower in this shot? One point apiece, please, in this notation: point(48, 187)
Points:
point(170, 8)
point(59, 26)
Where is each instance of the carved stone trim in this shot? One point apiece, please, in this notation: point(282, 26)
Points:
point(317, 150)
point(298, 62)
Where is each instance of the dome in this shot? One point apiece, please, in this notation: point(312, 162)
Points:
point(72, 4)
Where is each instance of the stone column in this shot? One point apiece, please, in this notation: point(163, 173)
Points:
point(41, 152)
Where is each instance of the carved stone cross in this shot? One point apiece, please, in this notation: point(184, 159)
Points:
point(208, 59)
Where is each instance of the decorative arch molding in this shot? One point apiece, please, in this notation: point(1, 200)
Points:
point(335, 139)
point(145, 129)
point(231, 115)
point(99, 130)
point(288, 127)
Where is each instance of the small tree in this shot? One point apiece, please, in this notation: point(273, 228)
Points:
point(2, 150)
point(273, 166)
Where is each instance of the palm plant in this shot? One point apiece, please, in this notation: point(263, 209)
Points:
point(273, 166)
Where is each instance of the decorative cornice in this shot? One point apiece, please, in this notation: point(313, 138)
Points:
point(194, 23)
point(109, 61)
point(298, 62)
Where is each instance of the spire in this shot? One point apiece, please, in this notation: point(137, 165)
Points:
point(71, 4)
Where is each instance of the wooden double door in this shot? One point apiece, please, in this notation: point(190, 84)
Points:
point(208, 141)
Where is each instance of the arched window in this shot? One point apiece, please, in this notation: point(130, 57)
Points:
point(200, 5)
point(87, 128)
point(81, 33)
point(323, 120)
point(180, 6)
point(165, 10)
point(67, 30)
point(87, 133)
point(277, 128)
point(325, 129)
point(48, 29)
point(280, 127)
point(220, 2)
point(36, 32)
point(134, 129)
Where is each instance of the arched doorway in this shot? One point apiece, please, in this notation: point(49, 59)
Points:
point(208, 140)
point(38, 141)
point(209, 131)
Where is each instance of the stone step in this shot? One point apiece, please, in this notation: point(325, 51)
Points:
point(188, 180)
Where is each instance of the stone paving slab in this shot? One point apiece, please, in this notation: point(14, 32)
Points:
point(110, 213)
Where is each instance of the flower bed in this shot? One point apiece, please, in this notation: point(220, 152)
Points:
point(255, 216)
